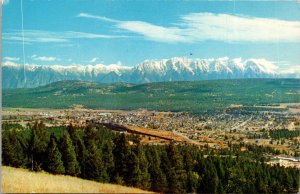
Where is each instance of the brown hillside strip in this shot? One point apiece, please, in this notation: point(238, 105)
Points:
point(167, 135)
point(16, 180)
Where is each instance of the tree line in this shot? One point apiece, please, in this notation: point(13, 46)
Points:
point(101, 155)
point(284, 133)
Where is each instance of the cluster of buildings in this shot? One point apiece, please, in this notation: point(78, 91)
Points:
point(230, 125)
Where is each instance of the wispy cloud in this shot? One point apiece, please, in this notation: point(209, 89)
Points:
point(85, 15)
point(226, 27)
point(93, 60)
point(11, 58)
point(148, 30)
point(5, 2)
point(195, 27)
point(293, 69)
point(154, 32)
point(44, 58)
point(39, 36)
point(62, 45)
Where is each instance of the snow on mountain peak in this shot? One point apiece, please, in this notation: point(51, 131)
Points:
point(261, 65)
point(173, 69)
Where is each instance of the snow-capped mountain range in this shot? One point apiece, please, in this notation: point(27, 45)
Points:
point(174, 69)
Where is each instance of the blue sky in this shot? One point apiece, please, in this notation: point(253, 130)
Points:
point(128, 32)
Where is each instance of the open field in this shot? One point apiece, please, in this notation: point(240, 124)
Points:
point(15, 180)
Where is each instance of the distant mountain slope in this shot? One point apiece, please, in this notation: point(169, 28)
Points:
point(175, 69)
point(192, 96)
point(16, 180)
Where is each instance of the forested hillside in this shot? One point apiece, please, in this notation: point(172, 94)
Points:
point(194, 96)
point(99, 154)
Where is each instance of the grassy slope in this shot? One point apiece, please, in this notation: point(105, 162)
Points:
point(15, 180)
point(168, 96)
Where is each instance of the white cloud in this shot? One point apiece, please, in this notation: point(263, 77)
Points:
point(11, 58)
point(97, 17)
point(293, 69)
point(195, 27)
point(93, 60)
point(66, 45)
point(44, 58)
point(265, 64)
point(154, 32)
point(32, 36)
point(119, 63)
point(5, 2)
point(150, 31)
point(281, 63)
point(226, 27)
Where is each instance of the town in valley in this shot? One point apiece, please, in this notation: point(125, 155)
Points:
point(278, 128)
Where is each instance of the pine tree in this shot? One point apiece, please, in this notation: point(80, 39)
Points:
point(210, 180)
point(73, 133)
point(133, 175)
point(79, 146)
point(69, 156)
point(158, 179)
point(108, 160)
point(37, 145)
point(80, 156)
point(137, 166)
point(54, 162)
point(193, 179)
point(121, 152)
point(13, 149)
point(144, 165)
point(7, 149)
point(169, 171)
point(93, 164)
point(177, 174)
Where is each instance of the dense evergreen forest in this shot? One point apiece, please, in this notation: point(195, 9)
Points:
point(284, 133)
point(101, 155)
point(192, 96)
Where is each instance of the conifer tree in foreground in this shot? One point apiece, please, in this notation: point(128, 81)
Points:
point(167, 168)
point(133, 175)
point(176, 173)
point(69, 156)
point(144, 166)
point(93, 158)
point(93, 162)
point(108, 160)
point(121, 152)
point(158, 179)
point(54, 163)
point(13, 149)
point(37, 145)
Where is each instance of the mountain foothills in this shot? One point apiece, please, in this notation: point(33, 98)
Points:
point(174, 69)
point(191, 96)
